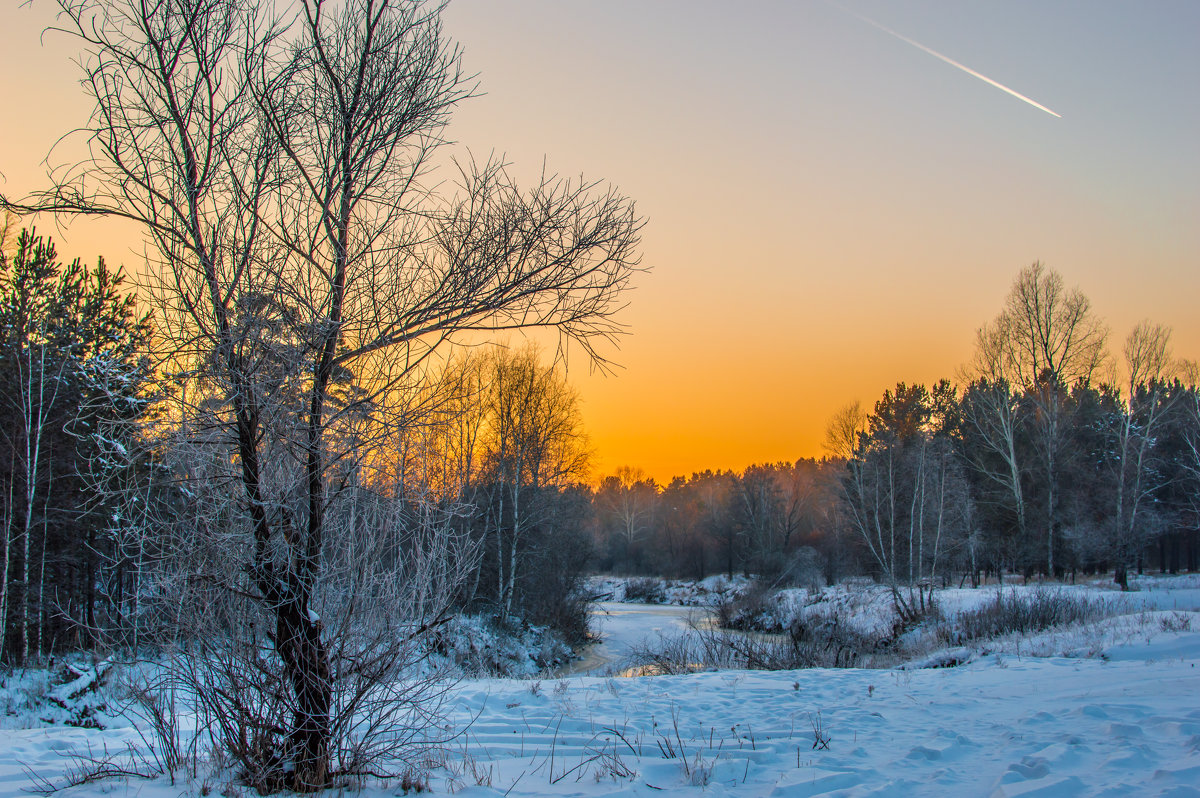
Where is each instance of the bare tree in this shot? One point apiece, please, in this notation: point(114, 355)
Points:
point(845, 430)
point(758, 512)
point(10, 227)
point(902, 490)
point(1149, 367)
point(533, 442)
point(279, 166)
point(992, 419)
point(1044, 328)
point(1045, 340)
point(40, 372)
point(868, 486)
point(628, 498)
point(800, 495)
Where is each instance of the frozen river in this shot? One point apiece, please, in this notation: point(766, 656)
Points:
point(621, 627)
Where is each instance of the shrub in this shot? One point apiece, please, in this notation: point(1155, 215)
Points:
point(1009, 612)
point(496, 646)
point(1176, 622)
point(813, 642)
point(752, 608)
point(645, 589)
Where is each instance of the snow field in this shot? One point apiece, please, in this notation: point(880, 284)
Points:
point(1106, 708)
point(999, 726)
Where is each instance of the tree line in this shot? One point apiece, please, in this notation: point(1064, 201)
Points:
point(1015, 473)
point(774, 520)
point(1053, 457)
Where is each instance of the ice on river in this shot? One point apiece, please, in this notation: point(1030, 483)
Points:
point(622, 628)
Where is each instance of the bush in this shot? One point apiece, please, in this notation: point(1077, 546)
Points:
point(569, 617)
point(1011, 612)
point(494, 646)
point(647, 590)
point(829, 642)
point(802, 567)
point(814, 642)
point(751, 609)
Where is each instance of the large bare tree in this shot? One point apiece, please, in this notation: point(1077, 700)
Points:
point(1044, 341)
point(1044, 328)
point(279, 162)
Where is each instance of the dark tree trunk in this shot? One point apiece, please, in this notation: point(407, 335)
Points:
point(306, 663)
point(90, 588)
point(1121, 576)
point(297, 630)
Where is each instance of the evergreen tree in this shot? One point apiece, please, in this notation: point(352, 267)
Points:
point(71, 362)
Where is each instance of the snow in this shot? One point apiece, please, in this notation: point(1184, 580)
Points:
point(1125, 722)
point(1110, 708)
point(681, 592)
point(623, 627)
point(999, 726)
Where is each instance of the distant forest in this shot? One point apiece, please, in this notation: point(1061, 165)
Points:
point(1040, 462)
point(1051, 455)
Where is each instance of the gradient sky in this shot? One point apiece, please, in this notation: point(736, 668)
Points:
point(830, 209)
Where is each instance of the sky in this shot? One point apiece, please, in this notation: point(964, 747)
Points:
point(830, 209)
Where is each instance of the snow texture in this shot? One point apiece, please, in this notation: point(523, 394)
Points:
point(1109, 709)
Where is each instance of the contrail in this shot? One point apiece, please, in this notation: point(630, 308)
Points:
point(952, 62)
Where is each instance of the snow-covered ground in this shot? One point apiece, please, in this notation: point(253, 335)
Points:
point(1120, 716)
point(654, 590)
point(999, 726)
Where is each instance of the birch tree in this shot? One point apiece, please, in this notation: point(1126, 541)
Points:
point(61, 325)
point(1137, 477)
point(1044, 340)
point(533, 446)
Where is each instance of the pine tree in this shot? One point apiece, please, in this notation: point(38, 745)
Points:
point(71, 361)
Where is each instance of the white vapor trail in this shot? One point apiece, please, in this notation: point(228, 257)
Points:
point(952, 62)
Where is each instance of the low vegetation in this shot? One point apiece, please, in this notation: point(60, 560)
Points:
point(1023, 613)
point(854, 625)
point(825, 645)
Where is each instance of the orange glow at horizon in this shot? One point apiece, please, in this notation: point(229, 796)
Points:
point(829, 211)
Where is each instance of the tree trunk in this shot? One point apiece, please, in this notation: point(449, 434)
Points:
point(89, 592)
point(306, 663)
point(891, 563)
point(4, 591)
point(43, 616)
point(510, 584)
point(1050, 530)
point(1051, 479)
point(500, 550)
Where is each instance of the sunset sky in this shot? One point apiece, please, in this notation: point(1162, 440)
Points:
point(830, 208)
